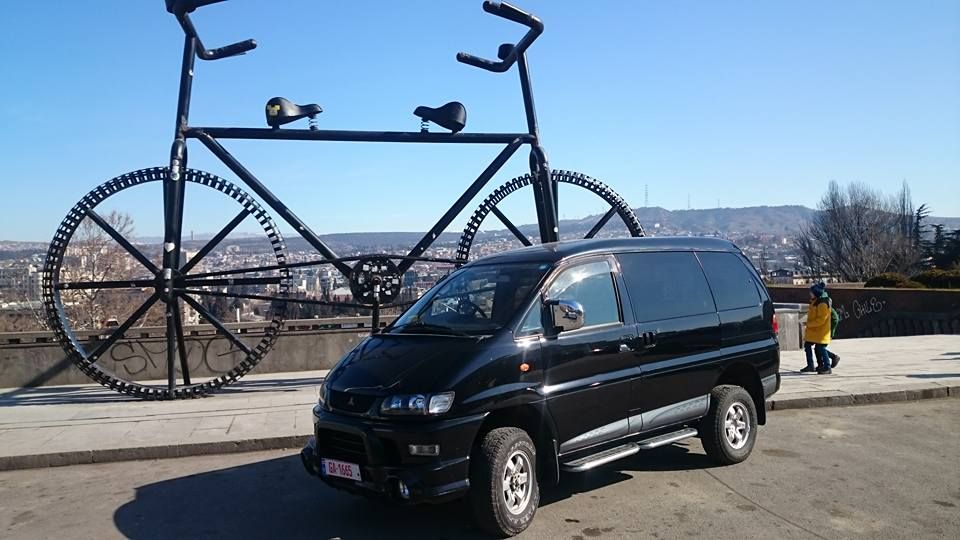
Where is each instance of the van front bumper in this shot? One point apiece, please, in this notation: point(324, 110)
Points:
point(387, 469)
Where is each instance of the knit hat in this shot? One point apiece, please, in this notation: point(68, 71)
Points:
point(818, 289)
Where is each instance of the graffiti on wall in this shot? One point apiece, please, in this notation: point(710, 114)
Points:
point(860, 309)
point(137, 357)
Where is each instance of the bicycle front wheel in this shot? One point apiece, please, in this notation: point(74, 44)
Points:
point(108, 303)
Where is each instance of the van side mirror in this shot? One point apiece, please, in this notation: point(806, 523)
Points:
point(563, 316)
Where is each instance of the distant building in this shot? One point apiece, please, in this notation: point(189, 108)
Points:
point(781, 275)
point(20, 283)
point(796, 277)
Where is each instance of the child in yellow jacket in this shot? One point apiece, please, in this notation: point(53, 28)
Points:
point(817, 336)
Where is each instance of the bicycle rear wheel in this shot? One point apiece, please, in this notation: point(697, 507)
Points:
point(515, 237)
point(107, 303)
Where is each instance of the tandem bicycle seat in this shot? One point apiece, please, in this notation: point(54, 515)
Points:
point(282, 111)
point(452, 116)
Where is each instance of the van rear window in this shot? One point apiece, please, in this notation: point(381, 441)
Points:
point(665, 285)
point(732, 282)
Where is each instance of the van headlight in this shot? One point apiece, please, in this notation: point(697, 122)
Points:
point(417, 404)
point(322, 395)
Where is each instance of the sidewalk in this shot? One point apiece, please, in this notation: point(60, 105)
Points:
point(67, 425)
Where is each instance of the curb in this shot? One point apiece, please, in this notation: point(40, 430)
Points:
point(112, 455)
point(868, 398)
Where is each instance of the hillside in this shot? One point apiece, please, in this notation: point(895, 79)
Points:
point(784, 220)
point(777, 220)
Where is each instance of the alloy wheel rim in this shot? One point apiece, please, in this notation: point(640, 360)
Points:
point(515, 483)
point(736, 425)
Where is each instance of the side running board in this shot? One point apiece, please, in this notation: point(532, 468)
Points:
point(601, 458)
point(626, 450)
point(667, 438)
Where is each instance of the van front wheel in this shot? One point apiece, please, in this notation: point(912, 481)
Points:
point(504, 492)
point(729, 430)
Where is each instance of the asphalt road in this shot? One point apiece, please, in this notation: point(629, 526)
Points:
point(882, 471)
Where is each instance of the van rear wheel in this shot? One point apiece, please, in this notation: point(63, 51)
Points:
point(504, 493)
point(729, 430)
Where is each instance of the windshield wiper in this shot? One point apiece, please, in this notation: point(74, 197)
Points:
point(432, 327)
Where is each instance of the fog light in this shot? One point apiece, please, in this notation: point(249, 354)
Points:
point(424, 449)
point(403, 490)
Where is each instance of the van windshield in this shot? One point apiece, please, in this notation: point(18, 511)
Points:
point(472, 301)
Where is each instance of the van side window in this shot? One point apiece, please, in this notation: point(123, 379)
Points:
point(665, 285)
point(732, 282)
point(591, 284)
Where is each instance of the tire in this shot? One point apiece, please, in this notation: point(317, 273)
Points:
point(728, 446)
point(488, 474)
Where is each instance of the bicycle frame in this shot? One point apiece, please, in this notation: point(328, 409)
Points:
point(374, 279)
point(545, 191)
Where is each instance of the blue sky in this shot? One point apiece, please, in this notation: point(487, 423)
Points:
point(741, 103)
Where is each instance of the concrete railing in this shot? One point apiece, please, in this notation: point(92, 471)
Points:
point(790, 318)
point(36, 359)
point(870, 312)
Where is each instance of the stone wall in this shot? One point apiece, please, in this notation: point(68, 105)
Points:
point(869, 312)
point(36, 359)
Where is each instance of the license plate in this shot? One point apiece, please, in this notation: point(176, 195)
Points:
point(341, 469)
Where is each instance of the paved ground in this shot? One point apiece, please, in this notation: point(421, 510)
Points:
point(83, 424)
point(876, 471)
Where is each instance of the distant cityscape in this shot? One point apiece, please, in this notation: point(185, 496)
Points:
point(765, 234)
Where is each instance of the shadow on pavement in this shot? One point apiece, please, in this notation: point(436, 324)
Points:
point(277, 499)
point(676, 457)
point(61, 395)
point(85, 394)
point(933, 375)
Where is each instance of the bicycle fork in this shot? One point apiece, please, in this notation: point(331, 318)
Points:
point(173, 193)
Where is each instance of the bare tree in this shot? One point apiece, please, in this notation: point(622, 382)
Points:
point(94, 256)
point(859, 233)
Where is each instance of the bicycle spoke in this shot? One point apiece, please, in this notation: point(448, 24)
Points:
point(118, 333)
point(214, 241)
point(318, 262)
point(181, 344)
point(275, 298)
point(122, 241)
point(217, 324)
point(603, 221)
point(269, 280)
point(131, 284)
point(509, 224)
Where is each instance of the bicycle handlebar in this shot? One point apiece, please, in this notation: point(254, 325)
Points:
point(187, 6)
point(181, 8)
point(233, 49)
point(512, 13)
point(505, 10)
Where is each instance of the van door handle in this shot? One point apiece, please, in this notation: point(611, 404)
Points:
point(648, 340)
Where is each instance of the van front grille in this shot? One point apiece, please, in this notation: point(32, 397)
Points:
point(347, 402)
point(341, 445)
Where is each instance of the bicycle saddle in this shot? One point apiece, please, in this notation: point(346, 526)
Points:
point(283, 111)
point(452, 116)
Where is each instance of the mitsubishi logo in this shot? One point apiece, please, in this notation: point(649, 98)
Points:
point(350, 402)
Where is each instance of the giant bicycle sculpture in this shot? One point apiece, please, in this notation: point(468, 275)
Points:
point(375, 279)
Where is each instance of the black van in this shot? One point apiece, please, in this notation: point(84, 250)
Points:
point(561, 357)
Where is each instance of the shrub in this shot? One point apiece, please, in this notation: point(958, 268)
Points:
point(939, 279)
point(893, 280)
